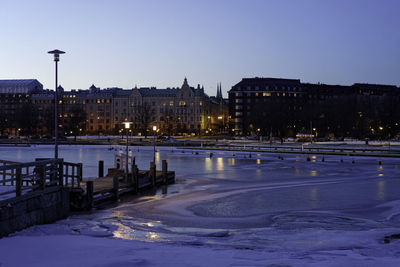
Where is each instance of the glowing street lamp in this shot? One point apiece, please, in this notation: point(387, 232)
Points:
point(56, 54)
point(127, 126)
point(154, 144)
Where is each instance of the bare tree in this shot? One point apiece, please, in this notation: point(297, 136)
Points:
point(142, 117)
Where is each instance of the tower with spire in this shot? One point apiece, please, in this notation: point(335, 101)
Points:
point(219, 92)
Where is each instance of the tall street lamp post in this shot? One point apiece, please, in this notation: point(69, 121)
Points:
point(154, 143)
point(56, 54)
point(127, 125)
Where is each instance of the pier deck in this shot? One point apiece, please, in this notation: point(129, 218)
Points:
point(97, 191)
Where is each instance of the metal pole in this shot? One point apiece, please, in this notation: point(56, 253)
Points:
point(126, 165)
point(56, 115)
point(154, 147)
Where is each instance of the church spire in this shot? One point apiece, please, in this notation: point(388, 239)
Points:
point(219, 91)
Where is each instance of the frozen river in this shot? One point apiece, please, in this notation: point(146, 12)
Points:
point(315, 210)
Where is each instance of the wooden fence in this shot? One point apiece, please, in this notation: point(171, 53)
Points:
point(20, 178)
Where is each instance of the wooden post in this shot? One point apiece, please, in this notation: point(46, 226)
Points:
point(42, 176)
point(89, 194)
point(153, 174)
point(101, 168)
point(4, 174)
point(12, 176)
point(131, 178)
point(18, 184)
point(80, 174)
point(27, 173)
point(73, 172)
point(67, 175)
point(117, 162)
point(115, 187)
point(165, 171)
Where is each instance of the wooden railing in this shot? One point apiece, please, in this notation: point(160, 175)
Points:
point(19, 178)
point(72, 174)
point(3, 175)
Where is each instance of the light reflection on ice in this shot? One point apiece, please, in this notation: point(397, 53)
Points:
point(220, 164)
point(153, 236)
point(208, 164)
point(123, 232)
point(381, 190)
point(231, 161)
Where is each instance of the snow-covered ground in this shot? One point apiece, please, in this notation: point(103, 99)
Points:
point(228, 210)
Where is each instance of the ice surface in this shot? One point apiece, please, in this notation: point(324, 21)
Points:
point(227, 211)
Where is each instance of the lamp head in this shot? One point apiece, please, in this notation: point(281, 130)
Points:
point(56, 54)
point(127, 124)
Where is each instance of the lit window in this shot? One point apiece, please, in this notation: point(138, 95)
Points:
point(266, 94)
point(182, 103)
point(171, 103)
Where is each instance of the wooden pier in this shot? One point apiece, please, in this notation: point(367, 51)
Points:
point(47, 189)
point(107, 189)
point(96, 192)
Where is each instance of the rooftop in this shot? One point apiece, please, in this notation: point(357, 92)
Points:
point(22, 86)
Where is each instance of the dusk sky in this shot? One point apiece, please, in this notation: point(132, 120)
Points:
point(123, 43)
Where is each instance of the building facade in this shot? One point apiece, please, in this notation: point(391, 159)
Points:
point(286, 107)
point(16, 110)
point(183, 110)
point(94, 111)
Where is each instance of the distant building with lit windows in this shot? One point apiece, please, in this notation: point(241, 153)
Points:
point(286, 107)
point(15, 102)
point(94, 111)
point(98, 106)
point(184, 110)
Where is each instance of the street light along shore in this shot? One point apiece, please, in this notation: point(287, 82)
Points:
point(127, 125)
point(154, 143)
point(56, 54)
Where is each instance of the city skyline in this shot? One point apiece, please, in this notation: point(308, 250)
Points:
point(158, 43)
